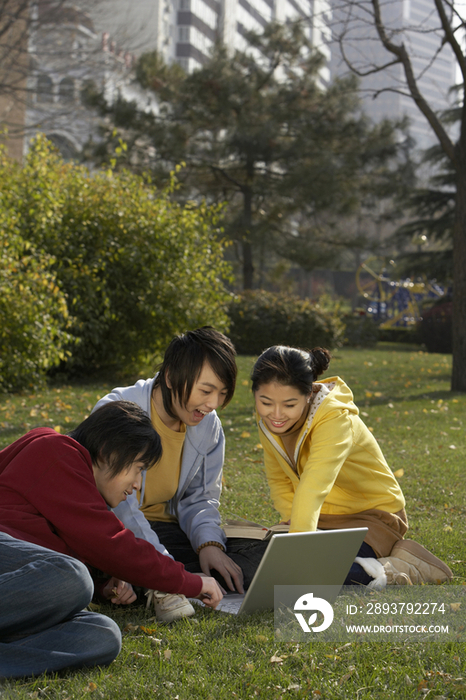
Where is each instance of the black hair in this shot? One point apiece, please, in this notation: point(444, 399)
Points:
point(118, 433)
point(183, 362)
point(290, 367)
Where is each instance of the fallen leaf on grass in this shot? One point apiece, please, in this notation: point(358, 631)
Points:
point(455, 606)
point(138, 655)
point(347, 676)
point(245, 434)
point(276, 659)
point(398, 473)
point(131, 627)
point(167, 654)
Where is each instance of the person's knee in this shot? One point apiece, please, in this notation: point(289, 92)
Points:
point(71, 579)
point(113, 640)
point(106, 643)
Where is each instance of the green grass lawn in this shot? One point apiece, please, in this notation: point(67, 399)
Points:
point(403, 395)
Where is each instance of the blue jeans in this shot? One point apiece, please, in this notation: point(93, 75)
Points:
point(43, 626)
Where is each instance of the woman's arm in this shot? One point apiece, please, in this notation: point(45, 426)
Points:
point(327, 448)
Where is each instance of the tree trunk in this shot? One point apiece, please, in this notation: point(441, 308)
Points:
point(458, 377)
point(248, 267)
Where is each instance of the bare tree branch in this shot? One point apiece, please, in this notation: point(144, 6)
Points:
point(450, 35)
point(399, 50)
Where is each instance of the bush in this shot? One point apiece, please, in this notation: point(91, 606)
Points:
point(361, 331)
point(260, 319)
point(435, 326)
point(33, 313)
point(135, 266)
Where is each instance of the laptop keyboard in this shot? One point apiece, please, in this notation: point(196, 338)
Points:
point(229, 606)
point(230, 603)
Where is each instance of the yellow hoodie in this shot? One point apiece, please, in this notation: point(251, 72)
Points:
point(340, 468)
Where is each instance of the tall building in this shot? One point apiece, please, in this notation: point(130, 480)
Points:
point(199, 23)
point(96, 39)
point(185, 31)
point(384, 94)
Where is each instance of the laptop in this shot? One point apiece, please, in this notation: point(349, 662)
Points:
point(317, 561)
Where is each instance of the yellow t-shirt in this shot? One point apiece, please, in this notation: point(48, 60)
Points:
point(163, 479)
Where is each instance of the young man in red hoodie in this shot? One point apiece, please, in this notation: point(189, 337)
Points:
point(56, 492)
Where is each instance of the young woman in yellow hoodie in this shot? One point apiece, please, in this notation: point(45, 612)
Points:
point(326, 470)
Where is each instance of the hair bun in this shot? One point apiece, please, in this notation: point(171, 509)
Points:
point(320, 358)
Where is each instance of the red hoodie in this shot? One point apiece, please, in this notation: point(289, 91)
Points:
point(48, 497)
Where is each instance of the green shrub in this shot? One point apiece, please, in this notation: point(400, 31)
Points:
point(361, 331)
point(260, 319)
point(135, 266)
point(33, 313)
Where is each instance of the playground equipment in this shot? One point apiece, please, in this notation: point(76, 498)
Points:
point(394, 304)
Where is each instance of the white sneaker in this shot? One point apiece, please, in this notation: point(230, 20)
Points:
point(169, 606)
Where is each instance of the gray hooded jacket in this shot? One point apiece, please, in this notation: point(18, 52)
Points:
point(197, 499)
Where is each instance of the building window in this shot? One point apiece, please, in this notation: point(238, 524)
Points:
point(44, 89)
point(185, 4)
point(66, 90)
point(183, 34)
